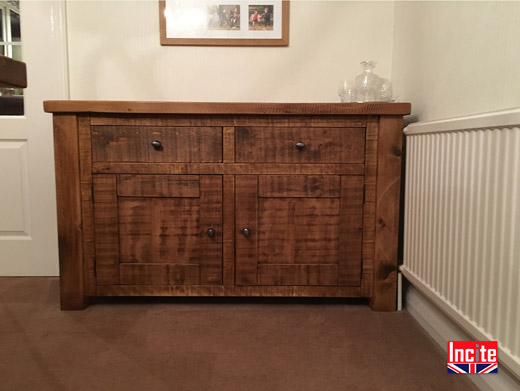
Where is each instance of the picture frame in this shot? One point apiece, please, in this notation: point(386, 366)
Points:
point(224, 23)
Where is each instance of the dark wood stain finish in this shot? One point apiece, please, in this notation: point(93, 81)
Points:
point(279, 145)
point(135, 219)
point(68, 198)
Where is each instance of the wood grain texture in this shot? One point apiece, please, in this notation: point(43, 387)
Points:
point(13, 73)
point(226, 168)
point(179, 144)
point(316, 186)
point(159, 230)
point(298, 230)
point(246, 216)
point(307, 275)
point(229, 230)
point(129, 107)
point(168, 224)
point(228, 120)
point(89, 243)
point(68, 198)
point(278, 145)
point(220, 290)
point(120, 144)
point(282, 41)
point(387, 214)
point(211, 217)
point(228, 136)
point(351, 230)
point(305, 229)
point(106, 229)
point(158, 186)
point(318, 227)
point(161, 274)
point(372, 133)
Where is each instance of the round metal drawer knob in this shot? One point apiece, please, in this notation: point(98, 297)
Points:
point(156, 144)
point(211, 232)
point(300, 145)
point(246, 232)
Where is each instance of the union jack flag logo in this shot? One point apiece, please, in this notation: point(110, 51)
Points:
point(472, 357)
point(472, 368)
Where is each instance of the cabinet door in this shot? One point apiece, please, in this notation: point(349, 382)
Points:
point(299, 229)
point(158, 229)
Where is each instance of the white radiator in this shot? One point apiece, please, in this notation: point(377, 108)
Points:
point(462, 223)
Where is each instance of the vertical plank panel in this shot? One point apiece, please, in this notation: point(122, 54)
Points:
point(211, 217)
point(106, 227)
point(228, 144)
point(68, 198)
point(370, 206)
point(351, 223)
point(387, 214)
point(246, 217)
point(85, 160)
point(229, 230)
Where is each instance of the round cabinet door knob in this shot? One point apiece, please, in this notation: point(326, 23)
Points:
point(300, 145)
point(211, 232)
point(246, 232)
point(156, 144)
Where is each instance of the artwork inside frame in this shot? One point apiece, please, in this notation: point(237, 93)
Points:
point(224, 22)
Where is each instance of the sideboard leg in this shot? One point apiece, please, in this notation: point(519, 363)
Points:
point(68, 199)
point(384, 297)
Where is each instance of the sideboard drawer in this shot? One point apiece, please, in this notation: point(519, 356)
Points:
point(300, 145)
point(156, 144)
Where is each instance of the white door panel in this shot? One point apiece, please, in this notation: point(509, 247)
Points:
point(28, 232)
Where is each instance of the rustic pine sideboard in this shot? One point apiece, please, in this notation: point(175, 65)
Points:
point(227, 199)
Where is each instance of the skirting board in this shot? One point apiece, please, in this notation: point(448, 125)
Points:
point(442, 329)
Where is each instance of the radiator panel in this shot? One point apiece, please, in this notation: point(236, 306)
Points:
point(462, 222)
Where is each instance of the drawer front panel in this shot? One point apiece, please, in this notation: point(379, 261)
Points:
point(176, 144)
point(300, 145)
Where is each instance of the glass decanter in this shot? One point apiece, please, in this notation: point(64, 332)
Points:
point(368, 83)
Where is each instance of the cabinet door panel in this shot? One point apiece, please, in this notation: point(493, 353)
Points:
point(310, 235)
point(298, 230)
point(152, 229)
point(246, 212)
point(159, 230)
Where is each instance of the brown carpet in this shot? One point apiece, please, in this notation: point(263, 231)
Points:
point(210, 344)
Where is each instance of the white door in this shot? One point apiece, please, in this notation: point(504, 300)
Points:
point(28, 233)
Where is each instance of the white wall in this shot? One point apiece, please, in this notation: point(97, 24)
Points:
point(457, 58)
point(115, 54)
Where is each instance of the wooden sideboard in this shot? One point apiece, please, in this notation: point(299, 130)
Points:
point(227, 199)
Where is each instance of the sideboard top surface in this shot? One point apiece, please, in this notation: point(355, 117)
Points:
point(133, 107)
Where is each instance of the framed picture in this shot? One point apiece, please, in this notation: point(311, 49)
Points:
point(224, 23)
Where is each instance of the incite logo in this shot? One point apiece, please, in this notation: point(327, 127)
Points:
point(472, 356)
